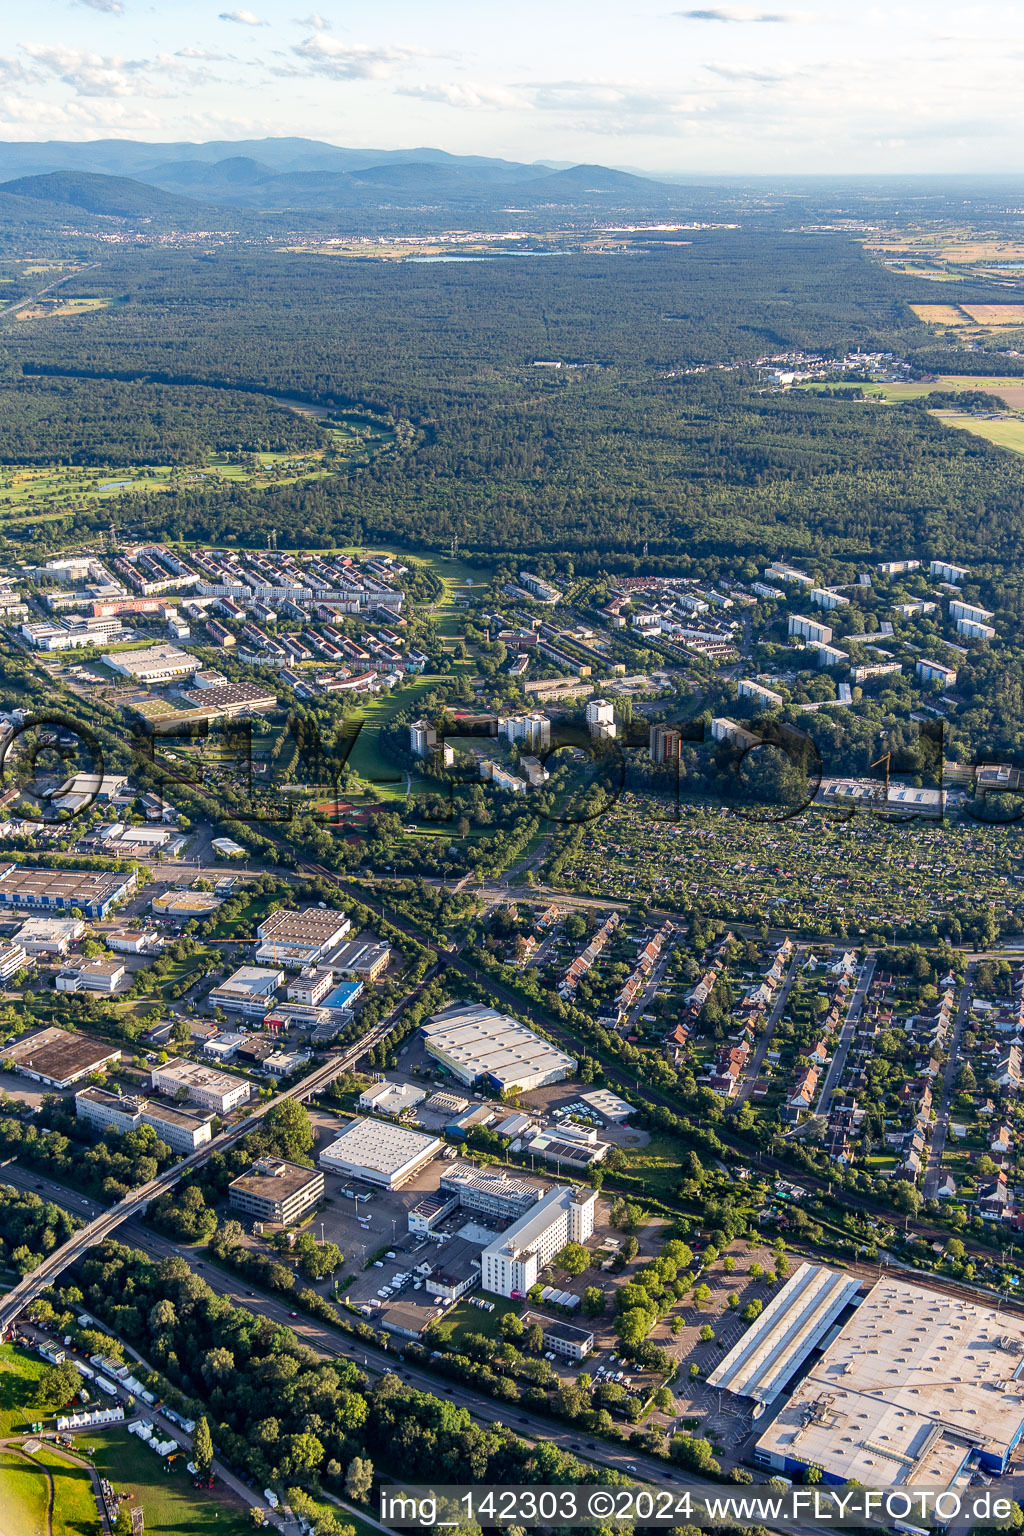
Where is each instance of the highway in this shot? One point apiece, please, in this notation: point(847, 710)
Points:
point(135, 1204)
point(336, 1344)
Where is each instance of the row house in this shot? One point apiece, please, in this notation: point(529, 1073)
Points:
point(586, 958)
point(803, 1095)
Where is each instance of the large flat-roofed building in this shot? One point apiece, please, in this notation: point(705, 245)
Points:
point(391, 1099)
point(792, 1325)
point(489, 1194)
point(379, 1153)
point(300, 939)
point(49, 935)
point(310, 987)
point(917, 1387)
point(96, 975)
point(181, 1131)
point(62, 890)
point(274, 1190)
point(185, 904)
point(155, 664)
point(250, 991)
point(361, 961)
point(514, 1261)
point(60, 1057)
point(231, 699)
point(478, 1044)
point(213, 1090)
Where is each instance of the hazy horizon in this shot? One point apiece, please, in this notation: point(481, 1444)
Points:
point(712, 90)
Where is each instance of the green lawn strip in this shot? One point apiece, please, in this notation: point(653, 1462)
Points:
point(74, 1502)
point(24, 1497)
point(19, 1373)
point(465, 1318)
point(367, 760)
point(167, 1498)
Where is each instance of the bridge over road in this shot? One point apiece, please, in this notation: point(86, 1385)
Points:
point(135, 1203)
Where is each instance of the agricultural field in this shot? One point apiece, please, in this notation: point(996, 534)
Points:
point(996, 315)
point(53, 309)
point(940, 314)
point(1006, 432)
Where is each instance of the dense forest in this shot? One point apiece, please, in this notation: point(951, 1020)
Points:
point(97, 422)
point(662, 434)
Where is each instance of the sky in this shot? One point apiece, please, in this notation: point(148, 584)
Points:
point(818, 86)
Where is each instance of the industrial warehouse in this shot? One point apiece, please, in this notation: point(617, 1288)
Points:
point(63, 890)
point(480, 1045)
point(379, 1153)
point(59, 1057)
point(902, 1386)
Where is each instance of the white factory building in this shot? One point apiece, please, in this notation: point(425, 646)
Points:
point(480, 1045)
point(181, 1131)
point(249, 991)
point(157, 664)
point(213, 1090)
point(917, 1387)
point(379, 1153)
point(513, 1262)
point(298, 940)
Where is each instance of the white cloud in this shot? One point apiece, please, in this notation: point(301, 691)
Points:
point(314, 22)
point(761, 76)
point(466, 94)
point(739, 13)
point(242, 18)
point(109, 75)
point(14, 70)
point(112, 7)
point(202, 54)
point(352, 61)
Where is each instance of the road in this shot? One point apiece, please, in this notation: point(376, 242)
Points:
point(940, 1130)
point(335, 1344)
point(753, 1072)
point(842, 1050)
point(135, 1204)
point(40, 293)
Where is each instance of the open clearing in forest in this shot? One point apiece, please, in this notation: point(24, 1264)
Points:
point(43, 491)
point(995, 314)
point(170, 1505)
point(940, 314)
point(1005, 432)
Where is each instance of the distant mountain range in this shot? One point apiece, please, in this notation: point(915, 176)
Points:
point(190, 182)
